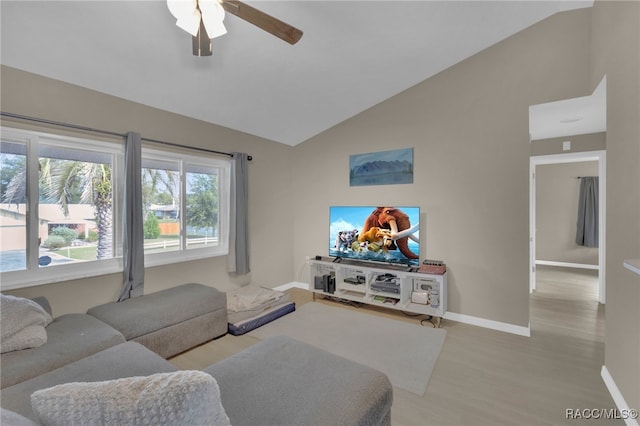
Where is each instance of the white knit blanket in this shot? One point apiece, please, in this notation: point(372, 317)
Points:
point(22, 324)
point(182, 398)
point(251, 296)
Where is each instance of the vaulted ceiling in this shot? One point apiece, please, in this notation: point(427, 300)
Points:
point(353, 55)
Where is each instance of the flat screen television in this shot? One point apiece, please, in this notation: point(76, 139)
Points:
point(383, 234)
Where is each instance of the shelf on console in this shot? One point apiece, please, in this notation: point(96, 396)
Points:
point(352, 295)
point(357, 288)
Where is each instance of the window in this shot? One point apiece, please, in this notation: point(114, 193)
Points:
point(185, 206)
point(57, 208)
point(161, 204)
point(61, 203)
point(13, 218)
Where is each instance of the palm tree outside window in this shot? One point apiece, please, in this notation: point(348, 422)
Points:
point(61, 203)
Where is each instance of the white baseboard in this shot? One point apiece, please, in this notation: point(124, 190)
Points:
point(621, 404)
point(567, 264)
point(494, 325)
point(481, 322)
point(293, 284)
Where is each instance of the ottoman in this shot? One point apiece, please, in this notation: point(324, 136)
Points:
point(169, 321)
point(282, 381)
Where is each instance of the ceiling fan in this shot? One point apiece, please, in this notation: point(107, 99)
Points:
point(203, 19)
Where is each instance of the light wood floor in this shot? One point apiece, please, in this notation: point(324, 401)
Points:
point(486, 377)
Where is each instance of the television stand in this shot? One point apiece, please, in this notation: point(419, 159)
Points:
point(389, 286)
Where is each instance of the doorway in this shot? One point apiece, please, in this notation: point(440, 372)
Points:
point(600, 158)
point(560, 119)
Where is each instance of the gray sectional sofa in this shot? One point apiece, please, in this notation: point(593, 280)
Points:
point(170, 321)
point(70, 337)
point(278, 381)
point(123, 360)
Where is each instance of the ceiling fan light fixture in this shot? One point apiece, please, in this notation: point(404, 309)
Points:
point(213, 16)
point(191, 24)
point(186, 13)
point(189, 14)
point(202, 45)
point(203, 19)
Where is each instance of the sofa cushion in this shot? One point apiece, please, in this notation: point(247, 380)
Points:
point(22, 324)
point(44, 302)
point(70, 337)
point(124, 360)
point(282, 381)
point(142, 315)
point(9, 418)
point(177, 338)
point(178, 398)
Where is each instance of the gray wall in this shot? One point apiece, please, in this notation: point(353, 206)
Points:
point(470, 132)
point(557, 194)
point(579, 143)
point(269, 185)
point(616, 54)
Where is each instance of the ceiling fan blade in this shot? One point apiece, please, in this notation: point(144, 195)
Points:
point(260, 19)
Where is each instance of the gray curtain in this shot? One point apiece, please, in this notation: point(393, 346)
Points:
point(132, 226)
point(587, 225)
point(239, 223)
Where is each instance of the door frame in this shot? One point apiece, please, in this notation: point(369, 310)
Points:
point(573, 157)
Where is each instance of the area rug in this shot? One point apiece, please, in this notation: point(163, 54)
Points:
point(405, 352)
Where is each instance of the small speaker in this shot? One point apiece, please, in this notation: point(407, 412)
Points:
point(332, 285)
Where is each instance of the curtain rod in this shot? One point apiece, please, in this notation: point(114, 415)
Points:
point(107, 132)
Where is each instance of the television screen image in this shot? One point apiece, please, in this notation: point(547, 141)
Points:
point(383, 234)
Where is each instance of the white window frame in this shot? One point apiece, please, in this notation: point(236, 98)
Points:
point(33, 274)
point(224, 187)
